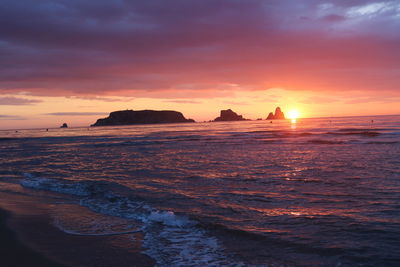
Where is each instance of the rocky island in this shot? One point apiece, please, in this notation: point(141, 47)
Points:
point(278, 115)
point(127, 117)
point(229, 115)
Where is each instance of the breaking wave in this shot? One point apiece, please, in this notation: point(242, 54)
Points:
point(171, 239)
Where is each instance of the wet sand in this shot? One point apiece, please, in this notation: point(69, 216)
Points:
point(28, 238)
point(13, 252)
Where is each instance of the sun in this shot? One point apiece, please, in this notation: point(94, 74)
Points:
point(293, 114)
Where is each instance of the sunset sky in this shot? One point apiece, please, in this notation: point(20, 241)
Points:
point(75, 60)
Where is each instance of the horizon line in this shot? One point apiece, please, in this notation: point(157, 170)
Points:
point(209, 121)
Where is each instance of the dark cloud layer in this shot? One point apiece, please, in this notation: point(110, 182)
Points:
point(11, 117)
point(183, 101)
point(76, 113)
point(78, 48)
point(15, 101)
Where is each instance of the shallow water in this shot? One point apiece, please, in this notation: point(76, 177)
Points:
point(315, 192)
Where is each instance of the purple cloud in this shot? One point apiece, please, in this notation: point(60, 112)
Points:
point(83, 48)
point(334, 18)
point(14, 101)
point(183, 101)
point(76, 113)
point(103, 99)
point(11, 117)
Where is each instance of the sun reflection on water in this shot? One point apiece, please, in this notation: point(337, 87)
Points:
point(293, 124)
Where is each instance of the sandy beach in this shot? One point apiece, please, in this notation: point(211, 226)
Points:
point(30, 239)
point(14, 252)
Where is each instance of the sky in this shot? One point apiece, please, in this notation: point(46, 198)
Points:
point(77, 60)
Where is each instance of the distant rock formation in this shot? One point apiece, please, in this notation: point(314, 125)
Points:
point(127, 117)
point(278, 115)
point(271, 116)
point(229, 115)
point(64, 125)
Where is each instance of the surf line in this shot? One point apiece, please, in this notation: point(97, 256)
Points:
point(106, 234)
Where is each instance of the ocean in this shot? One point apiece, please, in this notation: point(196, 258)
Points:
point(315, 192)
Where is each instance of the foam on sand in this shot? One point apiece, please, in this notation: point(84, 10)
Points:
point(170, 239)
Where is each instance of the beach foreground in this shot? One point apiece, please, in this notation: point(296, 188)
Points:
point(29, 238)
point(15, 253)
point(312, 192)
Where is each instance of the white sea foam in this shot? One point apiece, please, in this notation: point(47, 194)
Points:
point(170, 219)
point(54, 185)
point(184, 246)
point(92, 232)
point(172, 240)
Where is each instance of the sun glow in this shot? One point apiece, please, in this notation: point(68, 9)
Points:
point(293, 114)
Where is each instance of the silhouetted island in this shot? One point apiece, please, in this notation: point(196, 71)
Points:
point(127, 117)
point(278, 115)
point(229, 115)
point(64, 125)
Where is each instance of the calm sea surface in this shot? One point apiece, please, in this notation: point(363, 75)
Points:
point(318, 192)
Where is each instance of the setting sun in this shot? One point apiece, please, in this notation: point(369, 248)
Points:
point(293, 114)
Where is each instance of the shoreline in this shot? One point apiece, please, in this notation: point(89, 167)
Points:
point(16, 253)
point(29, 238)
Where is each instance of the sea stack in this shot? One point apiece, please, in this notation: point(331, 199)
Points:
point(64, 125)
point(278, 115)
point(229, 115)
point(128, 117)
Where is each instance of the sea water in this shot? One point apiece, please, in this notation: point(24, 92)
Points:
point(311, 192)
